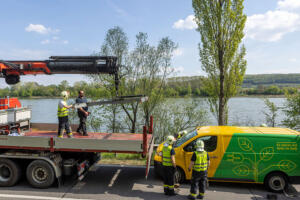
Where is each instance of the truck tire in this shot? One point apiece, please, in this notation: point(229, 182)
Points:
point(179, 176)
point(40, 174)
point(10, 172)
point(276, 182)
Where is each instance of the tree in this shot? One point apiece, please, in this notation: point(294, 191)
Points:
point(271, 113)
point(155, 65)
point(221, 24)
point(292, 111)
point(115, 44)
point(171, 117)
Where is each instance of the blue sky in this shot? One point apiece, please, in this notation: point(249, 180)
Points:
point(34, 29)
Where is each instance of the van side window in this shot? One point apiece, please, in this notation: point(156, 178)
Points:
point(210, 144)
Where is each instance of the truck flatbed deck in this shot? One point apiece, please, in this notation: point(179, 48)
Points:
point(94, 142)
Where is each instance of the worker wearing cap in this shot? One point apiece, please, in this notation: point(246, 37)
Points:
point(169, 165)
point(199, 164)
point(62, 114)
point(82, 113)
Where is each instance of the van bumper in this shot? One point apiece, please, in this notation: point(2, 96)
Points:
point(294, 179)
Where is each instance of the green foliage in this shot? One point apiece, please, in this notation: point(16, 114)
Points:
point(271, 79)
point(292, 111)
point(221, 24)
point(170, 118)
point(271, 113)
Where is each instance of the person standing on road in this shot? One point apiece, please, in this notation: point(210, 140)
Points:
point(62, 114)
point(82, 113)
point(199, 164)
point(180, 134)
point(169, 166)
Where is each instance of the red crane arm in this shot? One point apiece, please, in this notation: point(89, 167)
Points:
point(12, 70)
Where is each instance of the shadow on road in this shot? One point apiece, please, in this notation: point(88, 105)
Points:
point(124, 182)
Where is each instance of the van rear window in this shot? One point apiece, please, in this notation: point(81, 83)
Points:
point(185, 138)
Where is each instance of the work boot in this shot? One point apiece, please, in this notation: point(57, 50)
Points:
point(70, 135)
point(172, 193)
point(85, 134)
point(191, 197)
point(166, 191)
point(199, 196)
point(60, 136)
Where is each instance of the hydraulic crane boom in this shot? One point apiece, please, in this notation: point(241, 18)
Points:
point(12, 70)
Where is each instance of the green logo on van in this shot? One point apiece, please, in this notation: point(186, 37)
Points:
point(251, 157)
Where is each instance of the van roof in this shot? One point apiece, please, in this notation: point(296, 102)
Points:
point(229, 130)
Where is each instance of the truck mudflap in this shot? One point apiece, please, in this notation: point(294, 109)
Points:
point(149, 157)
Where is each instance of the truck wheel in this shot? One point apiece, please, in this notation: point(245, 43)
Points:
point(40, 174)
point(276, 182)
point(10, 172)
point(179, 176)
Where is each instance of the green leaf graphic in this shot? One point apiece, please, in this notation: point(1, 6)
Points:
point(266, 153)
point(241, 170)
point(245, 144)
point(287, 165)
point(235, 157)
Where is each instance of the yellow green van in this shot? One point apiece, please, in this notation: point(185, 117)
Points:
point(261, 155)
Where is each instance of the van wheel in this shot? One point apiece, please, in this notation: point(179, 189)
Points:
point(179, 176)
point(40, 174)
point(276, 182)
point(10, 172)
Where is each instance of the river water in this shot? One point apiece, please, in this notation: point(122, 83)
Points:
point(242, 110)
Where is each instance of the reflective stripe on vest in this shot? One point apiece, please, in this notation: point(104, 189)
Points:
point(201, 161)
point(62, 112)
point(167, 161)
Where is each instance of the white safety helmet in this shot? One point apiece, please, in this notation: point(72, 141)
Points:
point(263, 125)
point(65, 94)
point(199, 145)
point(183, 133)
point(170, 139)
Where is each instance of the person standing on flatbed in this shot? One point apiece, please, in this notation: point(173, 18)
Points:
point(82, 113)
point(62, 114)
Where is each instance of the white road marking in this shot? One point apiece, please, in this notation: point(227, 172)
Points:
point(112, 181)
point(36, 197)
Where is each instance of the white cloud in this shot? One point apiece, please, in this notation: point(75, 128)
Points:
point(178, 52)
point(41, 29)
point(65, 42)
point(55, 38)
point(288, 4)
point(187, 23)
point(272, 25)
point(293, 60)
point(45, 41)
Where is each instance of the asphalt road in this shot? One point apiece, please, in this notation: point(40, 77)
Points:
point(124, 182)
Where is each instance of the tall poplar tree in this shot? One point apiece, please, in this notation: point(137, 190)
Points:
point(221, 24)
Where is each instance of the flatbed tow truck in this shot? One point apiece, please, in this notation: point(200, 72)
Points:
point(35, 150)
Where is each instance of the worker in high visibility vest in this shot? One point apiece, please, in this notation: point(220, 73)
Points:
point(62, 114)
point(169, 165)
point(199, 164)
point(180, 134)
